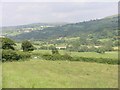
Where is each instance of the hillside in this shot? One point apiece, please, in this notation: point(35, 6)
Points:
point(20, 29)
point(100, 28)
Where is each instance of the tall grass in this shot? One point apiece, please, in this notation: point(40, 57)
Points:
point(59, 74)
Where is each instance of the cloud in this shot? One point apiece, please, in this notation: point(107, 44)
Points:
point(24, 13)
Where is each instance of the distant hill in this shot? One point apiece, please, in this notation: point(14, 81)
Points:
point(15, 30)
point(99, 28)
point(112, 16)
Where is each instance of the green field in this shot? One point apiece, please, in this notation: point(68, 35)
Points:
point(39, 73)
point(59, 74)
point(113, 54)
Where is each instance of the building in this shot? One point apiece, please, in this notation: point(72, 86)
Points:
point(61, 47)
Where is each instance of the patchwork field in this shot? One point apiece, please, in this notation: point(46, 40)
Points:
point(59, 74)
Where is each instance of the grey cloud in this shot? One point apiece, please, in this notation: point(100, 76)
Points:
point(24, 13)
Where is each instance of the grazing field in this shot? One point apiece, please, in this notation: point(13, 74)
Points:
point(112, 55)
point(59, 74)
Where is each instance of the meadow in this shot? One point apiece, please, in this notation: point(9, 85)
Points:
point(40, 73)
point(59, 74)
point(112, 54)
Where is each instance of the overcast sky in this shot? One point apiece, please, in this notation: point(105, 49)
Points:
point(25, 13)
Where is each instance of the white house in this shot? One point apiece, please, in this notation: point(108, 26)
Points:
point(61, 47)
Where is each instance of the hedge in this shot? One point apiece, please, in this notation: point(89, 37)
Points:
point(56, 57)
point(11, 55)
point(83, 59)
point(97, 60)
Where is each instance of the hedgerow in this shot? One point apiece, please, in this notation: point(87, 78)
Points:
point(82, 59)
point(11, 55)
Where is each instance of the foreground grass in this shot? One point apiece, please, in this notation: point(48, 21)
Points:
point(59, 74)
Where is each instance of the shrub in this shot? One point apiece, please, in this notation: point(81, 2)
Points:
point(100, 50)
point(56, 57)
point(83, 49)
point(97, 60)
point(43, 47)
point(10, 55)
point(67, 57)
point(82, 59)
point(27, 46)
point(7, 43)
point(24, 55)
point(47, 56)
point(54, 50)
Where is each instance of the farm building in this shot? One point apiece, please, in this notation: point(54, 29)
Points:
point(61, 47)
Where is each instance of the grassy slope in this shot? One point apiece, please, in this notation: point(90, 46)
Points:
point(48, 74)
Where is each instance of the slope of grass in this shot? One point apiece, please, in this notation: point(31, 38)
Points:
point(59, 74)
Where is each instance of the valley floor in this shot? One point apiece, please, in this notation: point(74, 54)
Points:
point(59, 74)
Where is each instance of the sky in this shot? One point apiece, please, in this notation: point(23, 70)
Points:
point(20, 13)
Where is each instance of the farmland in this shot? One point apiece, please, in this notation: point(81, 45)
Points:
point(75, 55)
point(44, 69)
point(113, 54)
point(40, 73)
point(59, 74)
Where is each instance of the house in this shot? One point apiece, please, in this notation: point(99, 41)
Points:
point(61, 47)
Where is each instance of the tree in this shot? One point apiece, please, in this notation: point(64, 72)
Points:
point(100, 50)
point(7, 43)
point(83, 49)
point(54, 50)
point(108, 46)
point(10, 55)
point(27, 46)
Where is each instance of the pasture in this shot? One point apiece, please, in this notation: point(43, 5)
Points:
point(112, 55)
point(59, 74)
point(40, 73)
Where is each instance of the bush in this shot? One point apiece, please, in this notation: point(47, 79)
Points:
point(27, 46)
point(47, 56)
point(67, 57)
point(10, 55)
point(54, 50)
point(100, 50)
point(43, 47)
point(56, 57)
point(82, 59)
point(24, 55)
point(83, 49)
point(97, 60)
point(7, 43)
